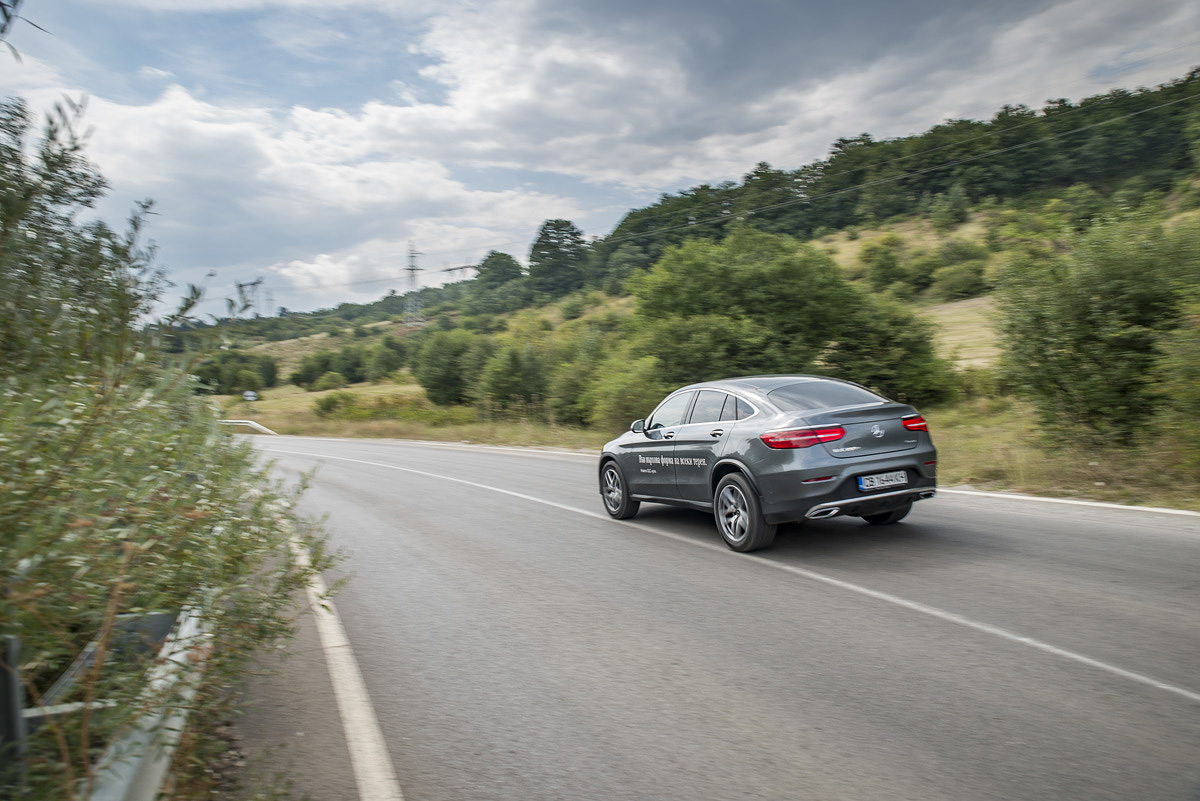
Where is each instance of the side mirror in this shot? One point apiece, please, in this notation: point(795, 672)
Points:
point(638, 426)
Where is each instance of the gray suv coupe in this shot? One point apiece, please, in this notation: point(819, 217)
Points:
point(765, 450)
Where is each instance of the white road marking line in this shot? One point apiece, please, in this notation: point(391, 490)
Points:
point(1070, 501)
point(896, 600)
point(369, 759)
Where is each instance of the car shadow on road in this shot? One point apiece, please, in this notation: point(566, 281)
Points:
point(912, 544)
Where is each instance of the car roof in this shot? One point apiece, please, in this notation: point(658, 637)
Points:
point(761, 384)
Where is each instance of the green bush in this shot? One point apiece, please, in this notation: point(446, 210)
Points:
point(382, 361)
point(881, 261)
point(334, 402)
point(760, 303)
point(122, 494)
point(1178, 370)
point(958, 281)
point(1082, 332)
point(956, 251)
point(445, 365)
point(349, 406)
point(247, 380)
point(572, 307)
point(512, 379)
point(330, 380)
point(624, 389)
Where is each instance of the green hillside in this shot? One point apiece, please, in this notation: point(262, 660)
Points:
point(1032, 281)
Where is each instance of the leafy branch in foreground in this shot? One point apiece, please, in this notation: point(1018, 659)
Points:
point(120, 494)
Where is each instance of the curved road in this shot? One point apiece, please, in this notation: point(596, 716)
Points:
point(517, 644)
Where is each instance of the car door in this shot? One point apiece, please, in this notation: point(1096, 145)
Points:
point(701, 441)
point(651, 457)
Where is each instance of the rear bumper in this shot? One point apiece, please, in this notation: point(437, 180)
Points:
point(870, 504)
point(784, 499)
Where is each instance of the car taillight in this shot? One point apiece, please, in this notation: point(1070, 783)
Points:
point(801, 437)
point(915, 423)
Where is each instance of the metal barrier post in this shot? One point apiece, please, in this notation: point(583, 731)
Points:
point(13, 729)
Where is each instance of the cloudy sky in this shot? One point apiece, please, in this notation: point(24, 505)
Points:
point(308, 142)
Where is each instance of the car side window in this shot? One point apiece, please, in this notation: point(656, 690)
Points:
point(708, 406)
point(744, 409)
point(729, 410)
point(670, 412)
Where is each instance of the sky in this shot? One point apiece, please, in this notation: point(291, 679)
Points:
point(312, 143)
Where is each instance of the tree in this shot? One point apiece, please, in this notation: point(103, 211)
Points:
point(557, 260)
point(381, 362)
point(440, 366)
point(881, 261)
point(764, 303)
point(622, 263)
point(496, 269)
point(512, 376)
point(1081, 331)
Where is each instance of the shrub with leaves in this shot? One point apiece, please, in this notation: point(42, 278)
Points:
point(1082, 331)
point(119, 492)
point(762, 303)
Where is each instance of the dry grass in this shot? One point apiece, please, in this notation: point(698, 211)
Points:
point(965, 334)
point(290, 410)
point(994, 444)
point(987, 444)
point(289, 353)
point(918, 235)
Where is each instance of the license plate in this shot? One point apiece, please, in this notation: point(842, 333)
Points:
point(896, 478)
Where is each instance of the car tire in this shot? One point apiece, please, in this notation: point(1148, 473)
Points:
point(739, 515)
point(887, 518)
point(615, 492)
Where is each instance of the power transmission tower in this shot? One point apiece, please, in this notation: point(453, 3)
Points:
point(414, 296)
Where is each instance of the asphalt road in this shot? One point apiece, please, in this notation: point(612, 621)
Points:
point(517, 644)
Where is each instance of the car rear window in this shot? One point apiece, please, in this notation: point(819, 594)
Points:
point(807, 395)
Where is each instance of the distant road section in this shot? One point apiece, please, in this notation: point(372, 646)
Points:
point(516, 644)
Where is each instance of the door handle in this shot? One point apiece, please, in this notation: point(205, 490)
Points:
point(668, 435)
point(716, 432)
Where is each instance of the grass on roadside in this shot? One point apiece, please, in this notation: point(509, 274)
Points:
point(994, 444)
point(985, 443)
point(291, 410)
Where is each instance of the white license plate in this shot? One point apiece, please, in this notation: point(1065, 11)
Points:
point(896, 478)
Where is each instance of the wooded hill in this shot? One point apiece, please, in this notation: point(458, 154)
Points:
point(1079, 217)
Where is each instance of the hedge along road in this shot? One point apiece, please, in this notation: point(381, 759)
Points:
point(517, 644)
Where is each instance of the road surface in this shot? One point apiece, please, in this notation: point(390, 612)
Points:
point(516, 644)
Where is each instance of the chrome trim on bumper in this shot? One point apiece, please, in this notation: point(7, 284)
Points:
point(831, 508)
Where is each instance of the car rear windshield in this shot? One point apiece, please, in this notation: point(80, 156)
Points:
point(808, 395)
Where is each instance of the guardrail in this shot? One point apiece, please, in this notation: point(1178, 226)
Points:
point(135, 762)
point(257, 427)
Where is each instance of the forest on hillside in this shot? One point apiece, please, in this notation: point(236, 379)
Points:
point(1082, 227)
point(1107, 152)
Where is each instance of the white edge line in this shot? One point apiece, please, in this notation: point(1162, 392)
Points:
point(369, 759)
point(1070, 501)
point(895, 600)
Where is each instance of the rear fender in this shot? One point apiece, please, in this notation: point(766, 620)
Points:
point(726, 466)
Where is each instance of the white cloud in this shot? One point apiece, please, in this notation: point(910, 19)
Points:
point(640, 99)
point(155, 73)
